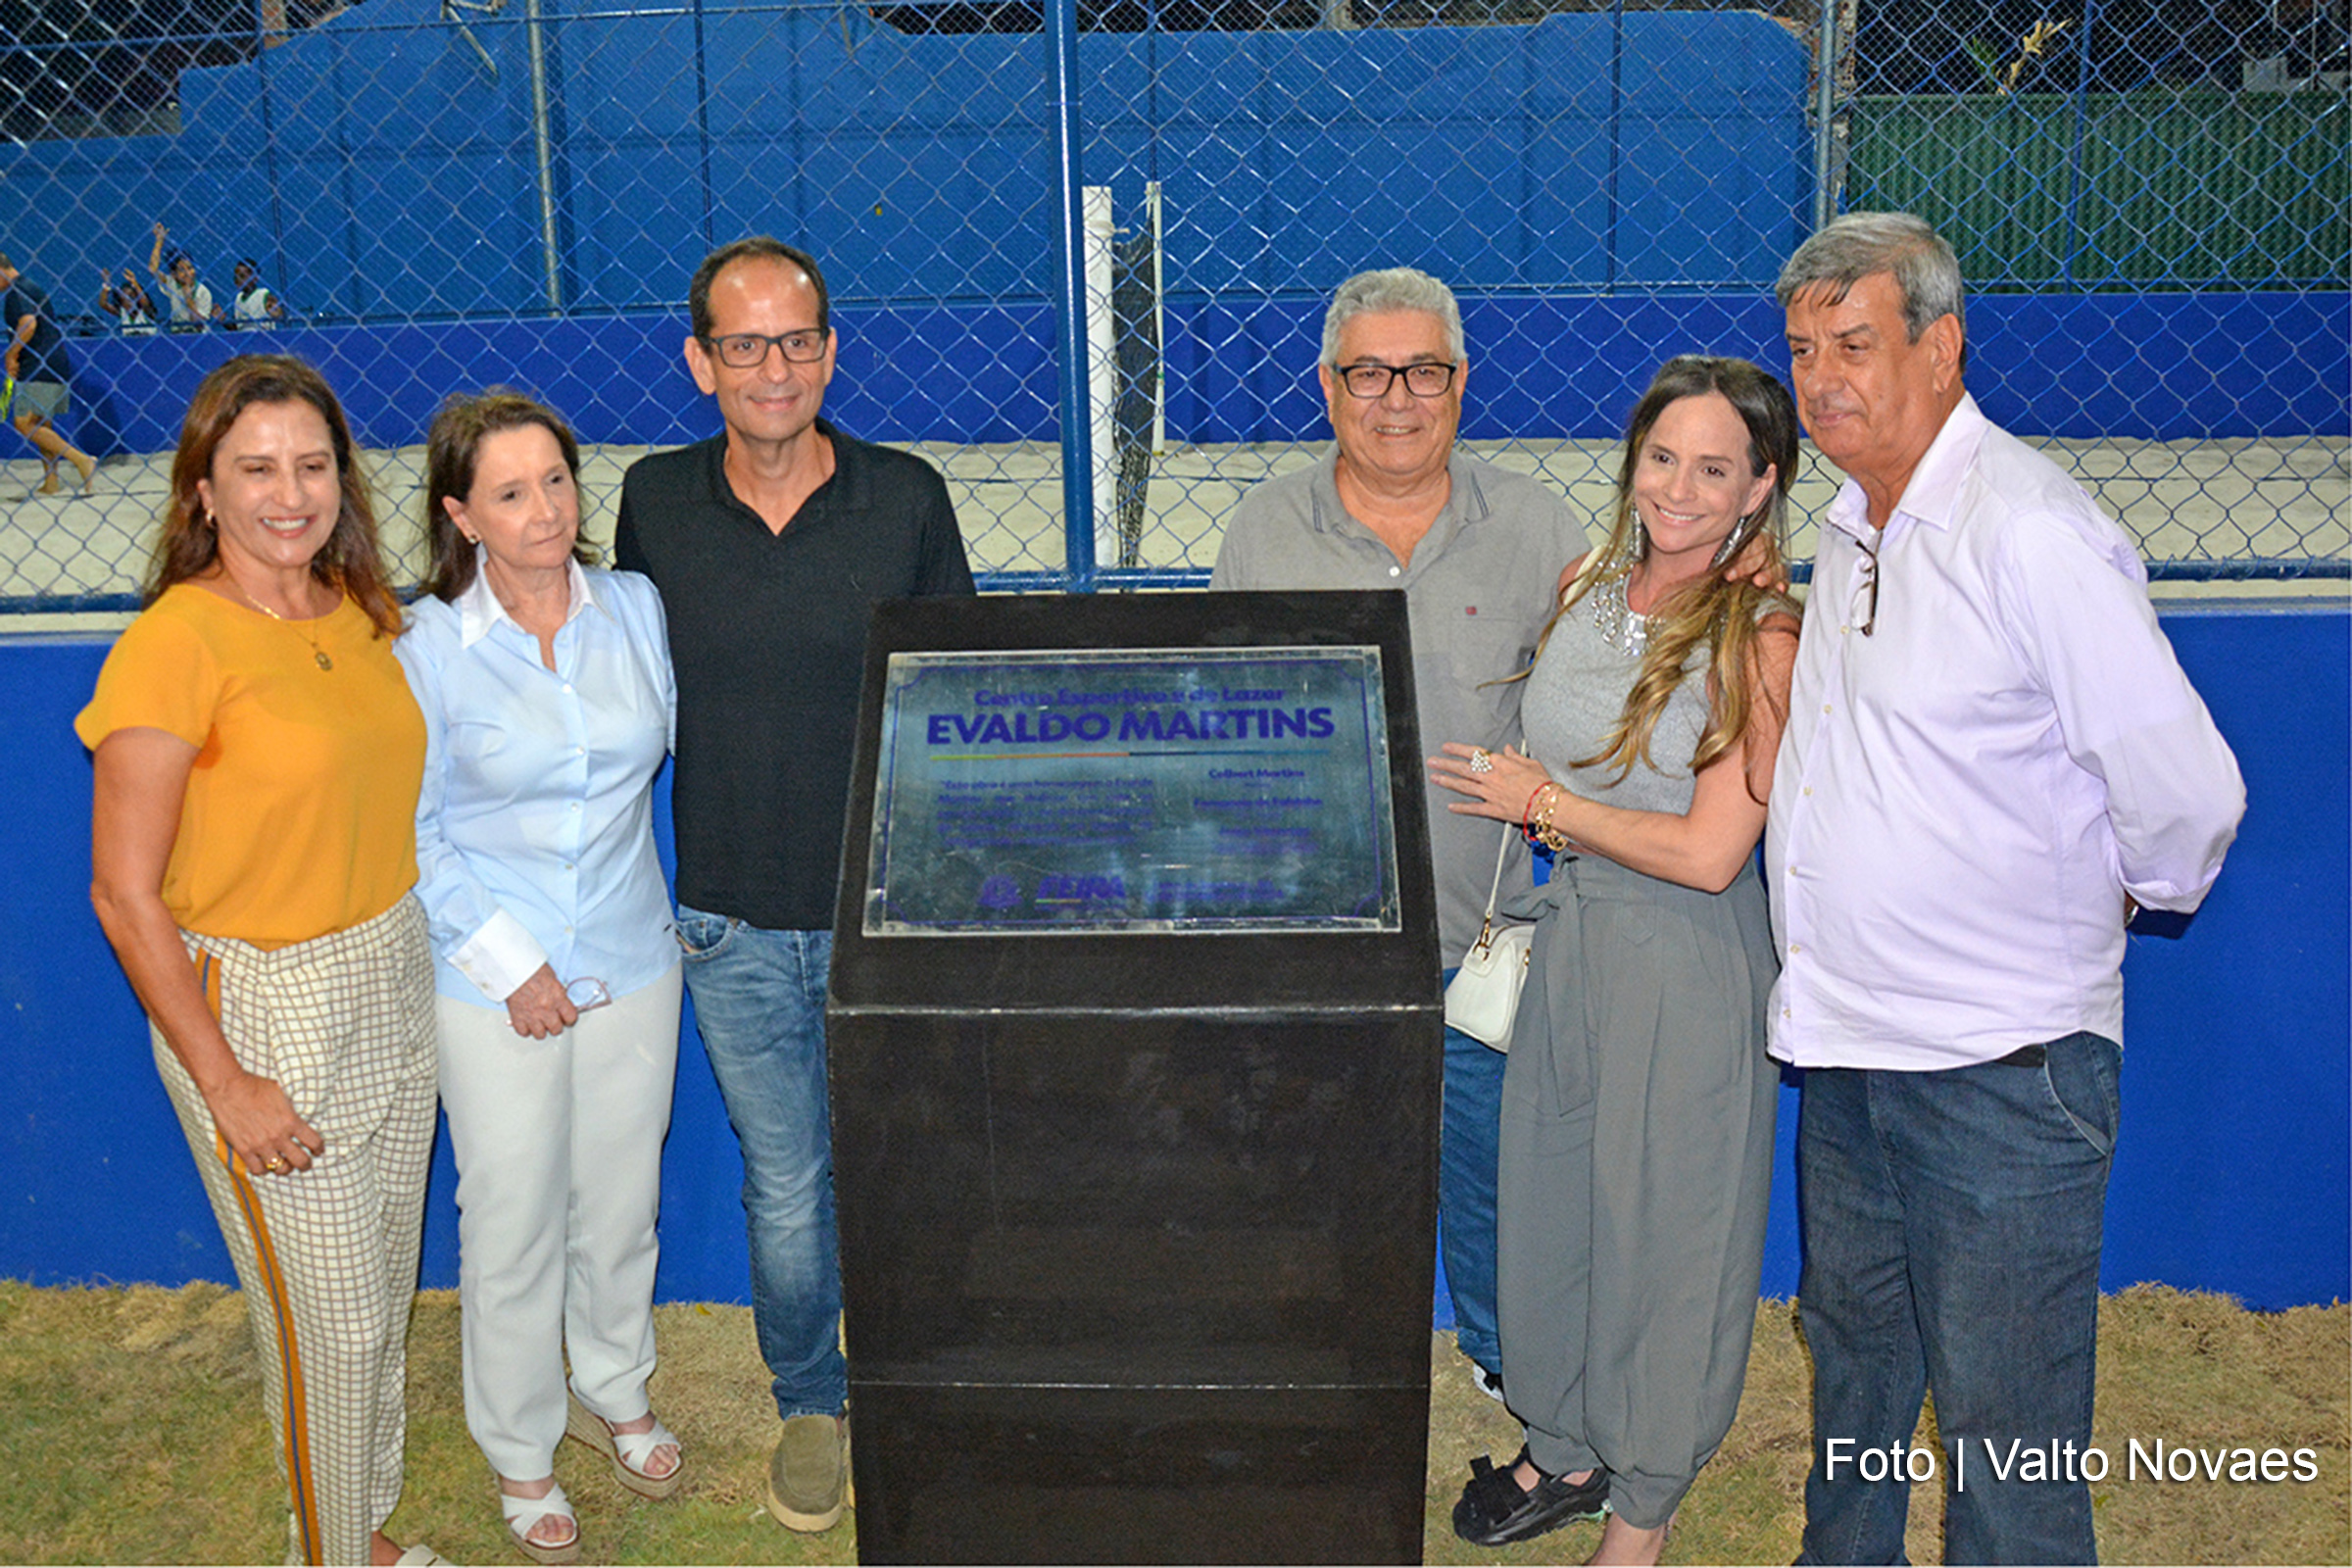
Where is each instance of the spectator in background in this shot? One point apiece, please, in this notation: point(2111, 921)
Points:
point(133, 312)
point(257, 306)
point(38, 368)
point(192, 304)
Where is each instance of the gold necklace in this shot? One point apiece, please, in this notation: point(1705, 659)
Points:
point(317, 653)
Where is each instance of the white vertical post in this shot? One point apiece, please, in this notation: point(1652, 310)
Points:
point(1102, 373)
point(1159, 319)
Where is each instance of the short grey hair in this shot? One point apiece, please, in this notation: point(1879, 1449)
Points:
point(1392, 288)
point(1856, 245)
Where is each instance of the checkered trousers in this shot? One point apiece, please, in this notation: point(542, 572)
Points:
point(328, 1257)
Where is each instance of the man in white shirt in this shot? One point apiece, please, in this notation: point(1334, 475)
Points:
point(1992, 760)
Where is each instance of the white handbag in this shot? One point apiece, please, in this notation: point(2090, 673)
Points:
point(1483, 998)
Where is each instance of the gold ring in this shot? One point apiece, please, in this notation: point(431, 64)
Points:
point(274, 1163)
point(1481, 761)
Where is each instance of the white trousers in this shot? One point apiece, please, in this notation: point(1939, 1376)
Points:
point(559, 1145)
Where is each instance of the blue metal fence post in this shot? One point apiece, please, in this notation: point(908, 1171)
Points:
point(1825, 46)
point(277, 214)
point(701, 131)
point(1077, 424)
point(2072, 218)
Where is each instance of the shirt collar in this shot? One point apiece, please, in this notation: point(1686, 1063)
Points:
point(1932, 495)
point(848, 489)
point(1465, 503)
point(479, 609)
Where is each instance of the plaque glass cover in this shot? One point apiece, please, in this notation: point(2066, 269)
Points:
point(1139, 790)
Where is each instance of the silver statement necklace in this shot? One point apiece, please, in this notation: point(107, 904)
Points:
point(1616, 620)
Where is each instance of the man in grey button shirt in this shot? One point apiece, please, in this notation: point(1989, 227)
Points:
point(1479, 551)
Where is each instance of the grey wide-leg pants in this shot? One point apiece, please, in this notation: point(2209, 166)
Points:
point(1637, 1163)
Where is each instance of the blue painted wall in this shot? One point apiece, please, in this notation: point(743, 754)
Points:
point(985, 374)
point(1603, 190)
point(376, 171)
point(2234, 1170)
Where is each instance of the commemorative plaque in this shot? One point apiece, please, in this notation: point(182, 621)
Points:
point(1144, 790)
point(1135, 1041)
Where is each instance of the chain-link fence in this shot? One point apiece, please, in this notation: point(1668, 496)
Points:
point(1079, 253)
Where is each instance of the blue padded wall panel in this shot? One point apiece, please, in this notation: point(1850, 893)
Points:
point(2231, 1171)
point(907, 373)
point(951, 217)
point(2167, 366)
point(637, 224)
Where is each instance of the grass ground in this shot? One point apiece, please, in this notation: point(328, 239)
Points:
point(135, 1435)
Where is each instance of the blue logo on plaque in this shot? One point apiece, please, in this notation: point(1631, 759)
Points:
point(1081, 889)
point(1000, 892)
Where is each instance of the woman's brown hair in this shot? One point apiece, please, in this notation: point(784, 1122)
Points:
point(351, 560)
point(452, 449)
point(1722, 616)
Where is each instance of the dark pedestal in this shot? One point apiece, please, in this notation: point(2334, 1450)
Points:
point(1137, 1227)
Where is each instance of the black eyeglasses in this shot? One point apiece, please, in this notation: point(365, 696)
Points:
point(1371, 379)
point(741, 351)
point(1869, 590)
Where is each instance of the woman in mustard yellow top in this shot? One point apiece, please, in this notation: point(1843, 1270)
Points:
point(253, 848)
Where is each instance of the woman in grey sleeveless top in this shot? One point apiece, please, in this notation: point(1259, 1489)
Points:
point(1638, 1108)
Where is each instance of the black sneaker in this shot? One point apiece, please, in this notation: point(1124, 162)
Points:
point(1495, 1510)
point(1488, 1383)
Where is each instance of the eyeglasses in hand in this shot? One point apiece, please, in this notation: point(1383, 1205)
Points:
point(585, 993)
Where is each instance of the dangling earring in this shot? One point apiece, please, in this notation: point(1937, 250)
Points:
point(1733, 541)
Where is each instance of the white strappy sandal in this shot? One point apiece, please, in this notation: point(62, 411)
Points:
point(524, 1513)
point(628, 1450)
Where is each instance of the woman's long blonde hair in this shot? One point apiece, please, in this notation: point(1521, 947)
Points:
point(1708, 610)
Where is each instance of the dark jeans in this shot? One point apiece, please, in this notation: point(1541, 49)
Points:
point(760, 1006)
point(1469, 1143)
point(1952, 1223)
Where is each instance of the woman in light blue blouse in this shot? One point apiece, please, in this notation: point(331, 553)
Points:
point(549, 705)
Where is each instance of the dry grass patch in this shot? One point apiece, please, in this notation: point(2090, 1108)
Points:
point(135, 1435)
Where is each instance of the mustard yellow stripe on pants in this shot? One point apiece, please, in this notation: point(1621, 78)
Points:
point(328, 1257)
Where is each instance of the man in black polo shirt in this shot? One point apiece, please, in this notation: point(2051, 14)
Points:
point(770, 543)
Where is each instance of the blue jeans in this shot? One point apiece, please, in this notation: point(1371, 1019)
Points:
point(1469, 1141)
point(759, 1004)
point(1952, 1223)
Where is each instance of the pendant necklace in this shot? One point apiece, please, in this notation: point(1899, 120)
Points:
point(1619, 624)
point(299, 627)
